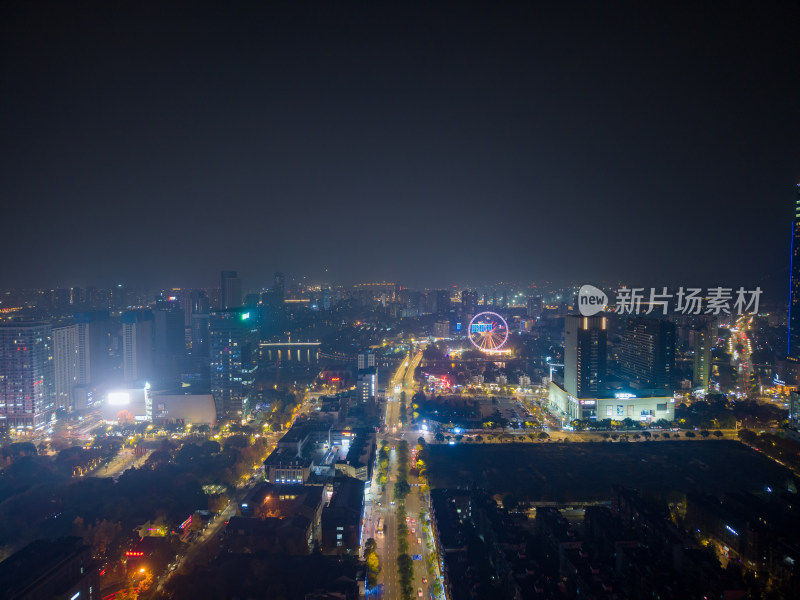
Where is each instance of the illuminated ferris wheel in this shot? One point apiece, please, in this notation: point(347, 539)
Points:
point(488, 331)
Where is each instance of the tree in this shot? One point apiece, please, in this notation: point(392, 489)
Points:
point(645, 435)
point(705, 433)
point(124, 416)
point(718, 433)
point(689, 434)
point(372, 561)
point(510, 502)
point(439, 437)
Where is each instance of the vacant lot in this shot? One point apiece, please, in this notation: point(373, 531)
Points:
point(587, 471)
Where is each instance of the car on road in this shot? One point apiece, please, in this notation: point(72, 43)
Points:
point(419, 592)
point(424, 580)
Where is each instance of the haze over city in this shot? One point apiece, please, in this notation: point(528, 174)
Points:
point(396, 301)
point(155, 144)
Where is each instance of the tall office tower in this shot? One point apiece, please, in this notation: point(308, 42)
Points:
point(366, 359)
point(26, 375)
point(61, 301)
point(169, 342)
point(442, 301)
point(367, 378)
point(469, 301)
point(647, 354)
point(93, 333)
point(793, 350)
point(535, 306)
point(366, 385)
point(230, 290)
point(76, 297)
point(703, 342)
point(65, 364)
point(251, 300)
point(279, 288)
point(233, 348)
point(84, 347)
point(200, 310)
point(137, 346)
point(325, 299)
point(273, 309)
point(199, 302)
point(584, 355)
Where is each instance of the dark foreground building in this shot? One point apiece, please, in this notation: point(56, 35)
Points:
point(53, 570)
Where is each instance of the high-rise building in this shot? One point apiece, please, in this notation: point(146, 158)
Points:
point(198, 300)
point(469, 302)
point(279, 288)
point(365, 359)
point(325, 299)
point(535, 306)
point(200, 318)
point(92, 334)
point(441, 329)
point(647, 355)
point(366, 385)
point(367, 377)
point(26, 375)
point(230, 290)
point(137, 346)
point(233, 347)
point(442, 302)
point(585, 355)
point(65, 364)
point(793, 350)
point(703, 342)
point(169, 345)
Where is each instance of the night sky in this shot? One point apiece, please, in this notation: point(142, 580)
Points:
point(428, 144)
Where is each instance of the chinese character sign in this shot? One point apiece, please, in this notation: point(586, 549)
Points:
point(685, 301)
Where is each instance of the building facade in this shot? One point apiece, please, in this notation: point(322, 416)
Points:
point(647, 356)
point(703, 342)
point(137, 346)
point(230, 290)
point(637, 405)
point(233, 346)
point(793, 350)
point(26, 375)
point(65, 364)
point(585, 360)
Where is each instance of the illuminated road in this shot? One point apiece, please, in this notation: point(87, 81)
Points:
point(740, 348)
point(402, 380)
